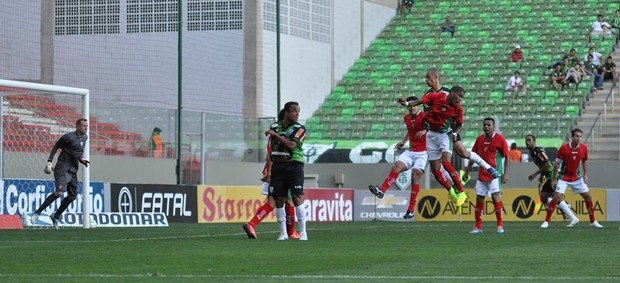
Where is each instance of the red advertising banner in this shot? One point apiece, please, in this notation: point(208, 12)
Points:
point(220, 204)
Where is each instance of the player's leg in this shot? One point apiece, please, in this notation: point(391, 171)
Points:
point(460, 150)
point(49, 200)
point(289, 208)
point(261, 212)
point(581, 188)
point(481, 190)
point(420, 159)
point(279, 190)
point(557, 197)
point(296, 180)
point(434, 149)
point(405, 161)
point(495, 188)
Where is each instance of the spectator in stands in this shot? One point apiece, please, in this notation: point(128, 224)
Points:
point(609, 70)
point(572, 58)
point(600, 27)
point(157, 145)
point(405, 4)
point(516, 84)
point(517, 54)
point(574, 73)
point(514, 154)
point(596, 58)
point(615, 25)
point(592, 71)
point(558, 77)
point(448, 26)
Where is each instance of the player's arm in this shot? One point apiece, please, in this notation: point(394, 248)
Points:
point(470, 164)
point(556, 167)
point(543, 168)
point(59, 144)
point(506, 162)
point(585, 170)
point(403, 142)
point(411, 103)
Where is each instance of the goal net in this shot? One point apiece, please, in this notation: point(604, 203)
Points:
point(34, 116)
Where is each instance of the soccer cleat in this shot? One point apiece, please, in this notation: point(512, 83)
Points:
point(464, 181)
point(538, 206)
point(249, 230)
point(376, 191)
point(500, 230)
point(283, 237)
point(453, 195)
point(34, 218)
point(461, 198)
point(493, 173)
point(544, 225)
point(294, 235)
point(573, 223)
point(303, 237)
point(54, 221)
point(595, 224)
point(409, 214)
point(475, 231)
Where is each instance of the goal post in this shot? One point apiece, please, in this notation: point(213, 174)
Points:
point(29, 113)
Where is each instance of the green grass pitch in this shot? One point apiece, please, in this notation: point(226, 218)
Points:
point(335, 252)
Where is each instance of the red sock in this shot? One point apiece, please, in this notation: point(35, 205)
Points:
point(456, 180)
point(550, 209)
point(261, 213)
point(478, 214)
point(389, 181)
point(498, 213)
point(290, 219)
point(415, 189)
point(441, 179)
point(590, 207)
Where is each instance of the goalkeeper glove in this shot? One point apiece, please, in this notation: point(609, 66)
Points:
point(48, 168)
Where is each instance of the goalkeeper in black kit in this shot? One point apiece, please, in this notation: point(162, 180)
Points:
point(65, 173)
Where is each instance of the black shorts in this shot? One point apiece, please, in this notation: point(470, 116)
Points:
point(546, 187)
point(286, 176)
point(66, 182)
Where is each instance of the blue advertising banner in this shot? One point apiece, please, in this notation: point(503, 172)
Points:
point(20, 196)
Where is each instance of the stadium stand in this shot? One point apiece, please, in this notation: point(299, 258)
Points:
point(477, 58)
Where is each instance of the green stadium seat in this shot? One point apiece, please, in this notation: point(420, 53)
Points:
point(572, 111)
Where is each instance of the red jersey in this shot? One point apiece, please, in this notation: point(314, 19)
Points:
point(268, 154)
point(440, 115)
point(414, 126)
point(569, 171)
point(492, 151)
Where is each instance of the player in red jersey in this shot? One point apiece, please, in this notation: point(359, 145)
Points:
point(567, 163)
point(442, 112)
point(266, 208)
point(416, 157)
point(492, 148)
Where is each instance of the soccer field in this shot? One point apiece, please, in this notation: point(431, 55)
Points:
point(342, 252)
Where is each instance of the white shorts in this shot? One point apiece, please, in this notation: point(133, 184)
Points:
point(436, 144)
point(414, 159)
point(264, 188)
point(486, 188)
point(578, 186)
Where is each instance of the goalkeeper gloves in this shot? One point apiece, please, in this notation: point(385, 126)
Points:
point(48, 168)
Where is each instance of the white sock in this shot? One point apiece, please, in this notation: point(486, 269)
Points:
point(564, 207)
point(300, 213)
point(281, 217)
point(476, 159)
